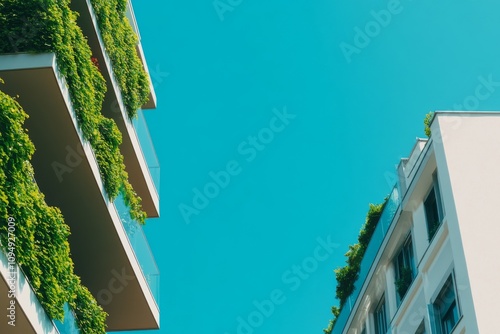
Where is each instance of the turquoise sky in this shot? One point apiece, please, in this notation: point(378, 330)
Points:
point(305, 107)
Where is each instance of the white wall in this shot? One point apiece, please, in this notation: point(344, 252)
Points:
point(468, 154)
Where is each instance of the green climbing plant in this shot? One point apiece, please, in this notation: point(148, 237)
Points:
point(38, 26)
point(427, 123)
point(38, 235)
point(347, 276)
point(120, 41)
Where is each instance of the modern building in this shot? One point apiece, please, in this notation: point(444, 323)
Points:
point(109, 249)
point(432, 263)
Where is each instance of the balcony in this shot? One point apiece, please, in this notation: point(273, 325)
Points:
point(375, 245)
point(113, 107)
point(101, 250)
point(29, 314)
point(30, 317)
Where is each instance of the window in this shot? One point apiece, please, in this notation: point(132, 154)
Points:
point(445, 309)
point(421, 329)
point(404, 264)
point(380, 316)
point(433, 208)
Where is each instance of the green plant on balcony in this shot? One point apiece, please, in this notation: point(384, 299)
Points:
point(427, 123)
point(404, 281)
point(346, 276)
point(37, 26)
point(120, 42)
point(40, 244)
point(331, 323)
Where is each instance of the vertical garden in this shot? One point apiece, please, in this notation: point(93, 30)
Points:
point(42, 249)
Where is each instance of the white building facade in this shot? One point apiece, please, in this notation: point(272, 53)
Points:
point(433, 262)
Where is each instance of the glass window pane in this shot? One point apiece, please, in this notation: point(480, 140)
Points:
point(431, 213)
point(421, 329)
point(381, 318)
point(405, 270)
point(446, 307)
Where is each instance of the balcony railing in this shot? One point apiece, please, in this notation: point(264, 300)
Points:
point(383, 226)
point(68, 325)
point(147, 148)
point(141, 248)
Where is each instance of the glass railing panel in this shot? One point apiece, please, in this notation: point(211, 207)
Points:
point(147, 147)
point(68, 325)
point(373, 248)
point(141, 248)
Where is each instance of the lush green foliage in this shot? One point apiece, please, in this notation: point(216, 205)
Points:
point(120, 41)
point(347, 275)
point(427, 123)
point(331, 324)
point(91, 319)
point(50, 26)
point(40, 234)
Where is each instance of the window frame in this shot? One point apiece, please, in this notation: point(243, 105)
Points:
point(381, 319)
point(406, 255)
point(440, 317)
point(421, 328)
point(435, 194)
